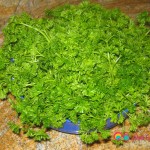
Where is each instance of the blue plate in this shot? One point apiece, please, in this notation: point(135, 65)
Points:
point(69, 127)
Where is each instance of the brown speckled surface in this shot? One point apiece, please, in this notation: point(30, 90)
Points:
point(62, 141)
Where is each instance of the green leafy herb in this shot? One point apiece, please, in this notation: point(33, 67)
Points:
point(37, 135)
point(81, 62)
point(144, 18)
point(14, 127)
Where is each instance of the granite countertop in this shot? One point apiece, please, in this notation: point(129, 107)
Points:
point(63, 141)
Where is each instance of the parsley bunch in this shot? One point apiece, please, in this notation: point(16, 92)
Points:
point(82, 63)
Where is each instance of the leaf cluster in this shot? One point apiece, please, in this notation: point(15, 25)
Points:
point(81, 62)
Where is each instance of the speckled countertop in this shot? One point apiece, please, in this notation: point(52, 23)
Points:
point(63, 141)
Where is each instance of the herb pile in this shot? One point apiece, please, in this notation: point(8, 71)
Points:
point(82, 63)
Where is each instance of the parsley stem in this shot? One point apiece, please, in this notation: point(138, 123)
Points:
point(42, 32)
